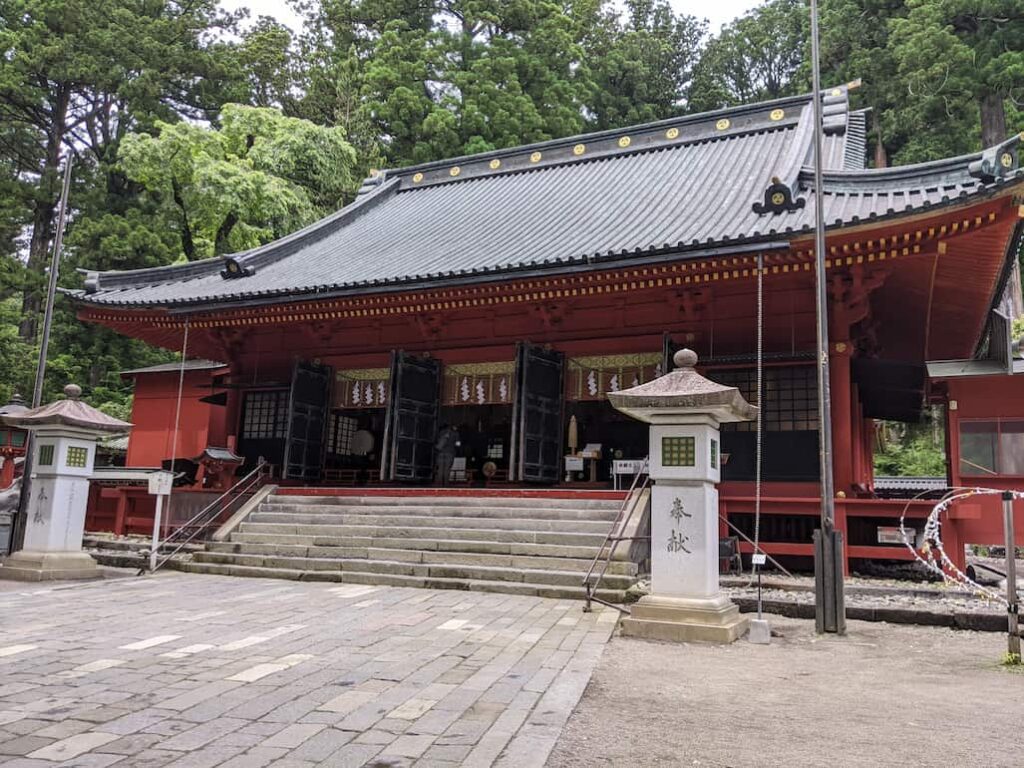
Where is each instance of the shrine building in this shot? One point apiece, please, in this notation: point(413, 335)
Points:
point(506, 294)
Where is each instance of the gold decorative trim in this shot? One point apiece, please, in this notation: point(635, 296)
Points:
point(363, 374)
point(603, 362)
point(672, 133)
point(579, 149)
point(502, 368)
point(723, 124)
point(535, 157)
point(454, 171)
point(625, 141)
point(836, 92)
point(1006, 160)
point(777, 114)
point(417, 178)
point(495, 164)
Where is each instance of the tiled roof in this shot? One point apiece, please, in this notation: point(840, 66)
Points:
point(725, 180)
point(189, 365)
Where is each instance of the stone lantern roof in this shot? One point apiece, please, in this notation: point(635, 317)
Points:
point(14, 407)
point(683, 392)
point(70, 412)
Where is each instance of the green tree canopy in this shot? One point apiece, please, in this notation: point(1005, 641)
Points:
point(642, 63)
point(77, 75)
point(259, 176)
point(762, 55)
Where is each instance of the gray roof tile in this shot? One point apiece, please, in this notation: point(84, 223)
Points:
point(670, 187)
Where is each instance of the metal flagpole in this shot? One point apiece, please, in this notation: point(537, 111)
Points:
point(18, 539)
point(830, 615)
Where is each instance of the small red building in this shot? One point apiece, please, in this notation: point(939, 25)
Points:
point(507, 293)
point(12, 441)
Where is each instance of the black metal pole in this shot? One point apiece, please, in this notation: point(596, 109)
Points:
point(18, 538)
point(830, 614)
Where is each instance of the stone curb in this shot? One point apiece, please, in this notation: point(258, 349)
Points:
point(978, 622)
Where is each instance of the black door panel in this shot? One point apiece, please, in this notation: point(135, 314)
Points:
point(538, 414)
point(411, 423)
point(308, 404)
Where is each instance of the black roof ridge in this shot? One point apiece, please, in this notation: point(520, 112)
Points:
point(915, 170)
point(254, 257)
point(670, 122)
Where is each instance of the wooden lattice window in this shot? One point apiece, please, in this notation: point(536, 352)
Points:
point(265, 415)
point(339, 434)
point(790, 402)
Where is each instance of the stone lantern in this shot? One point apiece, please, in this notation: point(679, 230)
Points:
point(64, 449)
point(12, 441)
point(684, 410)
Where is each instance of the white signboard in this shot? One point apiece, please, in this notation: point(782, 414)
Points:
point(160, 483)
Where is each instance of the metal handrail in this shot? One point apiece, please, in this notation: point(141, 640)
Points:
point(251, 482)
point(617, 527)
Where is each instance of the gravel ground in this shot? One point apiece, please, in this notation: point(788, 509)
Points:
point(884, 695)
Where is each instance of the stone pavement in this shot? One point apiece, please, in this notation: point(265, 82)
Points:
point(193, 671)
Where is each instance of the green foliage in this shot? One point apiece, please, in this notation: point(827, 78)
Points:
point(762, 55)
point(259, 177)
point(641, 65)
point(910, 450)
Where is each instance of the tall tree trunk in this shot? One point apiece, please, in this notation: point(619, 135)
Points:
point(43, 221)
point(993, 119)
point(881, 156)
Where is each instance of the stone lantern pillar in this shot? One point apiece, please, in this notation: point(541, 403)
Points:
point(684, 410)
point(64, 435)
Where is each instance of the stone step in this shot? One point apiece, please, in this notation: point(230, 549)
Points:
point(428, 556)
point(428, 532)
point(439, 510)
point(444, 545)
point(448, 501)
point(425, 570)
point(399, 580)
point(431, 521)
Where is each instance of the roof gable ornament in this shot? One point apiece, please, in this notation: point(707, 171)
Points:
point(233, 268)
point(778, 198)
point(997, 162)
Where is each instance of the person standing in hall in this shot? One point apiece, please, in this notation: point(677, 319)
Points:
point(444, 454)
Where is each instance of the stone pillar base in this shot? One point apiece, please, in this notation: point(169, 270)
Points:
point(678, 619)
point(49, 566)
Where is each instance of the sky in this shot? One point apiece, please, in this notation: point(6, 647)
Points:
point(717, 12)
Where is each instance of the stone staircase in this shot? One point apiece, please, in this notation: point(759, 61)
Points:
point(532, 546)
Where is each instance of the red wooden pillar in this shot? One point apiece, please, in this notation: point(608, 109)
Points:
point(120, 513)
point(6, 471)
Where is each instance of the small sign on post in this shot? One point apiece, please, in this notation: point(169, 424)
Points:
point(159, 486)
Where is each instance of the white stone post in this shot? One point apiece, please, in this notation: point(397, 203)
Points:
point(684, 410)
